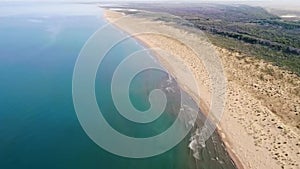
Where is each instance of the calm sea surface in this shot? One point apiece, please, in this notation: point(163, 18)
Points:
point(39, 45)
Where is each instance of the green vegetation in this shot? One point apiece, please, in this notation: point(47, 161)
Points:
point(250, 30)
point(287, 61)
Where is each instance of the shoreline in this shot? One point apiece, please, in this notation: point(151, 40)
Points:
point(259, 124)
point(201, 104)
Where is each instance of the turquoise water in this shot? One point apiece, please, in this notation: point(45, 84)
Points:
point(38, 125)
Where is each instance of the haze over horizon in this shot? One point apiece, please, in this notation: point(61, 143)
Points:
point(149, 0)
point(287, 4)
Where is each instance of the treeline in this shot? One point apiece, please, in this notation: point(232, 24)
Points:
point(252, 40)
point(283, 24)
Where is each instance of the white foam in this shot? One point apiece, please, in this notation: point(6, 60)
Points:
point(288, 16)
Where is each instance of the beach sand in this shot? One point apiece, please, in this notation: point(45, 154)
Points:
point(260, 123)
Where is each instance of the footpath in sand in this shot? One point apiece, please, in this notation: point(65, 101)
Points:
point(261, 121)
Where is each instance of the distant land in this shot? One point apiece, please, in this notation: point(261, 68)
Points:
point(272, 35)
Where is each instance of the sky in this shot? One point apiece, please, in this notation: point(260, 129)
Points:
point(144, 0)
point(295, 4)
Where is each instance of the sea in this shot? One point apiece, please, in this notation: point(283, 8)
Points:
point(39, 128)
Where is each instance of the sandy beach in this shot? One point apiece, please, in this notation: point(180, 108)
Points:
point(260, 124)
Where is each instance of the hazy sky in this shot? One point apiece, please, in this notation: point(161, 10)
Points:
point(276, 4)
point(294, 3)
point(285, 1)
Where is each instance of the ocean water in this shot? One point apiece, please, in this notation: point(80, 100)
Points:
point(39, 128)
